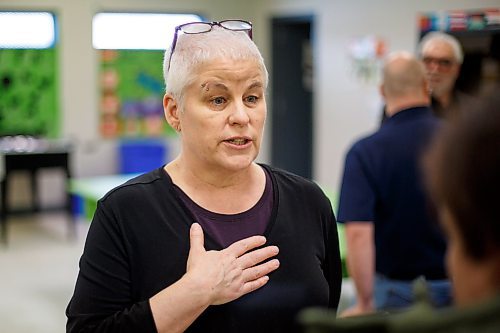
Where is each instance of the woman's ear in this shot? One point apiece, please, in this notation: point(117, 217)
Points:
point(171, 110)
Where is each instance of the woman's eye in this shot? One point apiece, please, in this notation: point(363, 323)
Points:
point(218, 100)
point(252, 99)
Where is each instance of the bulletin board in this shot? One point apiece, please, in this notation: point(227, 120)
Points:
point(460, 20)
point(131, 94)
point(29, 92)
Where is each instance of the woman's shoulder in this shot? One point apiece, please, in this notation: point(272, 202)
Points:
point(142, 183)
point(284, 175)
point(286, 180)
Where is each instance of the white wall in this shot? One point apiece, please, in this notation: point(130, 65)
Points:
point(345, 107)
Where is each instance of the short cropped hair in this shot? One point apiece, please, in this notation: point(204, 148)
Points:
point(434, 36)
point(193, 50)
point(463, 174)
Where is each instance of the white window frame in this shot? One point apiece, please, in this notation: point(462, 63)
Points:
point(27, 30)
point(131, 31)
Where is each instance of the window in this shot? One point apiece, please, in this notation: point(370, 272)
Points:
point(27, 30)
point(145, 31)
point(29, 90)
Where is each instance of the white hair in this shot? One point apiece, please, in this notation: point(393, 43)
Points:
point(193, 50)
point(434, 36)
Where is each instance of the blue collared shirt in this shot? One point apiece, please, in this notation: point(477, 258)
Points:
point(383, 184)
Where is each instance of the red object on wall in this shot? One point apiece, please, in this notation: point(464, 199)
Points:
point(457, 20)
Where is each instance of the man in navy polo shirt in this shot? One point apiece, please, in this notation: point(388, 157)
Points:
point(391, 235)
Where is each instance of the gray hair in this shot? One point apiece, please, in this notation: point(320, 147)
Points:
point(435, 36)
point(194, 50)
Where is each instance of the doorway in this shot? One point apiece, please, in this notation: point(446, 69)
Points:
point(292, 95)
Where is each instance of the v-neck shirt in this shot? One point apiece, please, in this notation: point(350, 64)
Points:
point(226, 229)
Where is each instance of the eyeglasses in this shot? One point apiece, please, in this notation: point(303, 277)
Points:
point(194, 28)
point(441, 63)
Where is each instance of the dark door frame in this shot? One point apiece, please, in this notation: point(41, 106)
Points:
point(292, 94)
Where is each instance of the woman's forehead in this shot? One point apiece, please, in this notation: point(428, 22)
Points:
point(227, 70)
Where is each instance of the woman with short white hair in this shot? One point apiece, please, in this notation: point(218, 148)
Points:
point(212, 241)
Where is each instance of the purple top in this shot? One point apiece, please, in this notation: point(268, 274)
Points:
point(226, 229)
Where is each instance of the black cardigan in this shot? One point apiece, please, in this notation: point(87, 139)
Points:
point(138, 244)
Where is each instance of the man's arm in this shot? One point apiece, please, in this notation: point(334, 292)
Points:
point(361, 264)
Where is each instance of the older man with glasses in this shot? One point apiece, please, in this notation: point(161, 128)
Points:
point(442, 56)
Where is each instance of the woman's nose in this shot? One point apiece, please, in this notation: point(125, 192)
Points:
point(239, 115)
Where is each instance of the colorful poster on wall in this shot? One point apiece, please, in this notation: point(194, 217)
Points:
point(29, 92)
point(132, 88)
point(460, 20)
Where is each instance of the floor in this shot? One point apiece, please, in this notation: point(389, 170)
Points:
point(38, 269)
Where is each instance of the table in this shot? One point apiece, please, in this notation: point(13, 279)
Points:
point(87, 191)
point(53, 154)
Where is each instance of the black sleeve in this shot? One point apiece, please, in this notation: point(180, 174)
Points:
point(333, 264)
point(102, 300)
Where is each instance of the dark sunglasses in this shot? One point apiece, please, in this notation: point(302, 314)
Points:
point(440, 62)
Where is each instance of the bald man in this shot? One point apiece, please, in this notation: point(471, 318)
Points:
point(391, 237)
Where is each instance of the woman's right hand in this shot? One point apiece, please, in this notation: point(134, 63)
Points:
point(230, 273)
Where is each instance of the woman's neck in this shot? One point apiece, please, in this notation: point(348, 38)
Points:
point(223, 191)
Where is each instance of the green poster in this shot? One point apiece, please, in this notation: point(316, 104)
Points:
point(29, 92)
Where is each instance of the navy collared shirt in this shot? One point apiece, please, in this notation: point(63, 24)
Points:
point(383, 184)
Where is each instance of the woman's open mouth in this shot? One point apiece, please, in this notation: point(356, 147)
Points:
point(238, 141)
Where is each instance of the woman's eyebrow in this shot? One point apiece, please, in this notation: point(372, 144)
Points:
point(208, 85)
point(256, 84)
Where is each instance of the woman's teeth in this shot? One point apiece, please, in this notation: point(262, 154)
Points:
point(238, 141)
